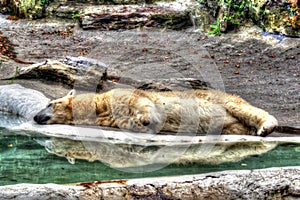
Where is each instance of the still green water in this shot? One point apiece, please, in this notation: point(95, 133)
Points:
point(23, 160)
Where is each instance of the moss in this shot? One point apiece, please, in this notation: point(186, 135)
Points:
point(282, 16)
point(27, 8)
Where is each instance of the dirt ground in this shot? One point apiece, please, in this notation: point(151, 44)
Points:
point(262, 69)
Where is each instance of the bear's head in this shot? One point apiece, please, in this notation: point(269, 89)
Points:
point(58, 111)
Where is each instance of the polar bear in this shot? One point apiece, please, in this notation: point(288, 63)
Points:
point(198, 111)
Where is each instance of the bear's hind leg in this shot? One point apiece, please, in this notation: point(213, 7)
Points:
point(237, 128)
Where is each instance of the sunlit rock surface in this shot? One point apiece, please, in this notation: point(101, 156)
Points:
point(131, 17)
point(21, 101)
point(8, 68)
point(87, 74)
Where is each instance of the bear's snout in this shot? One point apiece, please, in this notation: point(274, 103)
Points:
point(43, 116)
point(41, 119)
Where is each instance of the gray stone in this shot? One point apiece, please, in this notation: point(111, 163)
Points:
point(132, 17)
point(83, 62)
point(21, 101)
point(40, 192)
point(172, 84)
point(87, 75)
point(122, 14)
point(8, 68)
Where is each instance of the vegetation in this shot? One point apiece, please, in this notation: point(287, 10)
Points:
point(233, 16)
point(76, 16)
point(43, 2)
point(15, 75)
point(236, 11)
point(294, 14)
point(216, 28)
point(273, 15)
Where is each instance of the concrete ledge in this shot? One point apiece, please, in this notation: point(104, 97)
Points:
point(273, 183)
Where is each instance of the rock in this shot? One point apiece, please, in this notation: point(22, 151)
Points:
point(132, 16)
point(175, 84)
point(274, 183)
point(38, 192)
point(87, 74)
point(64, 9)
point(90, 75)
point(9, 68)
point(21, 101)
point(202, 18)
point(276, 17)
point(123, 14)
point(172, 84)
point(280, 20)
point(83, 62)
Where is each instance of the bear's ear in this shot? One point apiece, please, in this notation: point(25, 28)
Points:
point(72, 93)
point(70, 97)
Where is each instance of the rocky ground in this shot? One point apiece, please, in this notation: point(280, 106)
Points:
point(262, 69)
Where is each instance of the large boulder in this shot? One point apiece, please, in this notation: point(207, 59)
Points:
point(83, 73)
point(8, 67)
point(133, 16)
point(21, 101)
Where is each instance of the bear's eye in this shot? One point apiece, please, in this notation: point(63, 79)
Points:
point(50, 105)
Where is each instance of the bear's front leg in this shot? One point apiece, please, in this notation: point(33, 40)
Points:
point(132, 124)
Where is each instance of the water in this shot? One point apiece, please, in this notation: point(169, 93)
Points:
point(24, 160)
point(279, 37)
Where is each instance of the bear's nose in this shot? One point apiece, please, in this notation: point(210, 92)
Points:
point(41, 119)
point(35, 118)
